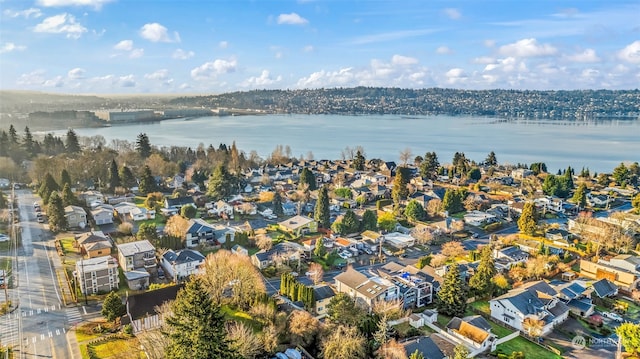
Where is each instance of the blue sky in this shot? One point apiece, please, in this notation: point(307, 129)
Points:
point(193, 46)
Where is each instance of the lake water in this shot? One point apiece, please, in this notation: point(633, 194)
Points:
point(601, 145)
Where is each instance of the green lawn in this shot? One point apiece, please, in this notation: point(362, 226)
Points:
point(481, 306)
point(116, 348)
point(240, 316)
point(530, 350)
point(499, 330)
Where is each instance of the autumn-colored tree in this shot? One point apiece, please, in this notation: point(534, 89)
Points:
point(316, 273)
point(264, 242)
point(344, 342)
point(177, 227)
point(303, 328)
point(243, 340)
point(453, 249)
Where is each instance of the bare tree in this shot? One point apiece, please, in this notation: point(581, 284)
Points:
point(344, 342)
point(405, 156)
point(303, 327)
point(316, 273)
point(231, 277)
point(264, 242)
point(434, 207)
point(438, 260)
point(243, 340)
point(177, 226)
point(453, 249)
point(391, 309)
point(392, 350)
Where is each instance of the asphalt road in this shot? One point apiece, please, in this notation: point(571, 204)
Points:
point(37, 327)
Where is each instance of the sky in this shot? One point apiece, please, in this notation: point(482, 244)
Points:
point(216, 46)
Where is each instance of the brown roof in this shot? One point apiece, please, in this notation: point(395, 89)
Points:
point(351, 278)
point(472, 332)
point(97, 245)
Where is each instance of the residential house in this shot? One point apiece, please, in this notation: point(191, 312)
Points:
point(559, 236)
point(574, 294)
point(102, 216)
point(76, 217)
point(399, 240)
point(93, 244)
point(179, 202)
point(479, 218)
point(182, 264)
point(322, 294)
point(624, 279)
point(91, 197)
point(281, 252)
point(142, 214)
point(136, 259)
point(534, 300)
point(240, 250)
point(416, 288)
point(598, 200)
point(124, 209)
point(289, 209)
point(141, 308)
point(299, 225)
point(220, 209)
point(473, 332)
point(97, 275)
point(604, 288)
point(365, 290)
point(521, 173)
point(246, 208)
point(432, 347)
point(507, 257)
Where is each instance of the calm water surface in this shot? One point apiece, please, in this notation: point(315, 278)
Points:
point(598, 145)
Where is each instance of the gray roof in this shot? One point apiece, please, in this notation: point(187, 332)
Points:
point(323, 292)
point(183, 256)
point(136, 274)
point(478, 321)
point(129, 249)
point(351, 278)
point(198, 225)
point(582, 305)
point(604, 288)
point(424, 345)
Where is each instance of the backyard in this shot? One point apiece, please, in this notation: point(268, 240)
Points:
point(530, 350)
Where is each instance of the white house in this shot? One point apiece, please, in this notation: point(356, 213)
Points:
point(479, 218)
point(142, 214)
point(535, 301)
point(102, 216)
point(399, 240)
point(180, 265)
point(219, 208)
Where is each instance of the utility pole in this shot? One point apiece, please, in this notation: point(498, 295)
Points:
point(84, 281)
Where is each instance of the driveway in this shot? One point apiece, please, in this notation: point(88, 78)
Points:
point(597, 350)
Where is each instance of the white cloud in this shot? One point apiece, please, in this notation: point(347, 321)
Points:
point(76, 74)
point(97, 4)
point(489, 43)
point(27, 13)
point(57, 81)
point(61, 24)
point(32, 78)
point(155, 32)
point(391, 36)
point(403, 60)
point(483, 60)
point(223, 44)
point(124, 45)
point(308, 48)
point(444, 50)
point(527, 48)
point(453, 14)
point(456, 76)
point(10, 46)
point(211, 70)
point(127, 81)
point(291, 19)
point(159, 75)
point(631, 53)
point(181, 54)
point(588, 55)
point(136, 53)
point(263, 80)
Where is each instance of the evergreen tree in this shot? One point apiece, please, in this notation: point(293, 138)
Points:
point(277, 204)
point(321, 212)
point(350, 222)
point(306, 176)
point(127, 179)
point(359, 161)
point(72, 145)
point(451, 299)
point(580, 196)
point(474, 174)
point(568, 178)
point(319, 250)
point(621, 174)
point(13, 135)
point(491, 159)
point(452, 200)
point(4, 144)
point(416, 355)
point(527, 220)
point(27, 143)
point(65, 178)
point(414, 211)
point(369, 220)
point(221, 184)
point(635, 203)
point(400, 191)
point(188, 211)
point(114, 176)
point(481, 282)
point(143, 146)
point(429, 166)
point(55, 212)
point(112, 307)
point(47, 187)
point(195, 327)
point(3, 200)
point(68, 198)
point(147, 182)
point(148, 231)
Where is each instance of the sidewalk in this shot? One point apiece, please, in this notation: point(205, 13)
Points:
point(72, 342)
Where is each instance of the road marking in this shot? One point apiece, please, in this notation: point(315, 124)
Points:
point(64, 330)
point(41, 336)
point(30, 312)
point(57, 331)
point(34, 339)
point(84, 309)
point(50, 334)
point(24, 314)
point(38, 311)
point(46, 310)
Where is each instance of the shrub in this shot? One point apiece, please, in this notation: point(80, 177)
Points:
point(128, 329)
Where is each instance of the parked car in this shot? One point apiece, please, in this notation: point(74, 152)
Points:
point(613, 316)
